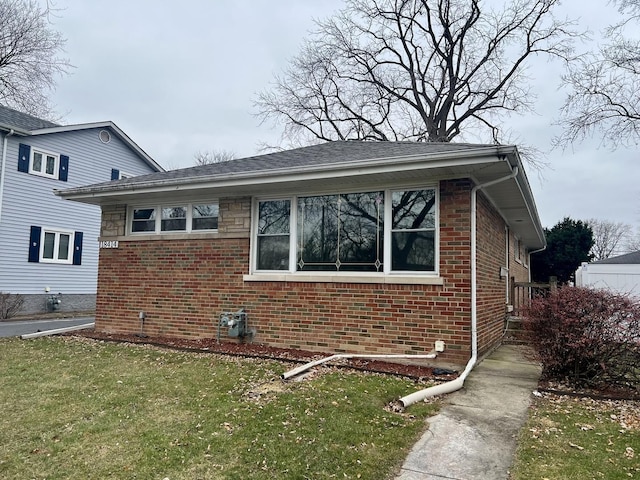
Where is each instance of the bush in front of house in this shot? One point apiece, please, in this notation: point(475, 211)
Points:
point(10, 304)
point(586, 337)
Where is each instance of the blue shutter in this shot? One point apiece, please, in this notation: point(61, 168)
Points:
point(115, 174)
point(34, 244)
point(24, 152)
point(77, 248)
point(63, 173)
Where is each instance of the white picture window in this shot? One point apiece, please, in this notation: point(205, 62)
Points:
point(200, 217)
point(380, 231)
point(56, 246)
point(44, 164)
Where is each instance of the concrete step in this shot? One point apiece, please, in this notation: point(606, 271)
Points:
point(515, 333)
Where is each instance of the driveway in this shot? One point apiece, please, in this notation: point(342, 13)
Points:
point(23, 327)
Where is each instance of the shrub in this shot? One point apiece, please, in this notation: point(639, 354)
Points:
point(10, 304)
point(586, 337)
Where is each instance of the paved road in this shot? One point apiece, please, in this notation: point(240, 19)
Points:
point(22, 327)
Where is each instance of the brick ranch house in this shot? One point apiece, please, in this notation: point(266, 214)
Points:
point(357, 247)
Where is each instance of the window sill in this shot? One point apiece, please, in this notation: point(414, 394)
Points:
point(344, 278)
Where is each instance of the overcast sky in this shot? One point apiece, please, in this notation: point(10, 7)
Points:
point(181, 77)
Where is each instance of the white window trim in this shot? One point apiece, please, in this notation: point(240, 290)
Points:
point(43, 173)
point(56, 244)
point(293, 274)
point(122, 175)
point(158, 220)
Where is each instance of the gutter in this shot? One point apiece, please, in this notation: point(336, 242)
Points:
point(458, 383)
point(3, 164)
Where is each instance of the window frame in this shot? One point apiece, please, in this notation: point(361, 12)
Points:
point(56, 246)
point(389, 230)
point(386, 235)
point(158, 208)
point(517, 249)
point(42, 173)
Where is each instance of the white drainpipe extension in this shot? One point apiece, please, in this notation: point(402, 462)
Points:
point(3, 166)
point(457, 384)
point(344, 356)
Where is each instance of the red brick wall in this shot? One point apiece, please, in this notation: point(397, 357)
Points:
point(184, 283)
point(491, 286)
point(518, 267)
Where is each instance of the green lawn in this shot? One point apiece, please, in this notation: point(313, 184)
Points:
point(81, 409)
point(579, 438)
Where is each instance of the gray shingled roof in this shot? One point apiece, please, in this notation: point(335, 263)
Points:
point(338, 152)
point(10, 118)
point(629, 258)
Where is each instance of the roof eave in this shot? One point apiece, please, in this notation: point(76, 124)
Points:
point(242, 181)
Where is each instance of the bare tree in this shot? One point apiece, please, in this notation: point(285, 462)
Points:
point(424, 70)
point(604, 86)
point(29, 56)
point(208, 157)
point(609, 237)
point(633, 242)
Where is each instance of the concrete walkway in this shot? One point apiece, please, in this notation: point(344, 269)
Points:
point(474, 435)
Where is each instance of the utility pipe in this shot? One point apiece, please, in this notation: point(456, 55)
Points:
point(457, 384)
point(343, 356)
point(3, 166)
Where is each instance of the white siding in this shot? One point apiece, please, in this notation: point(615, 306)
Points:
point(29, 200)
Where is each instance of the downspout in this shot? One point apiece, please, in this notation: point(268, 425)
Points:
point(2, 168)
point(507, 262)
point(457, 384)
point(347, 356)
point(531, 253)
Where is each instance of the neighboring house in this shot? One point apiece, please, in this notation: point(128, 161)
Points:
point(45, 242)
point(619, 274)
point(382, 247)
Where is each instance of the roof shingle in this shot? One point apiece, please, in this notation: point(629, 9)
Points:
point(10, 118)
point(629, 258)
point(338, 152)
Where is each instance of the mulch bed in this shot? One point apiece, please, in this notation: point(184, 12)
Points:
point(210, 345)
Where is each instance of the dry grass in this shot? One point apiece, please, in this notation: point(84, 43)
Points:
point(579, 438)
point(82, 409)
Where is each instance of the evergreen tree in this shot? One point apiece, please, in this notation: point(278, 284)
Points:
point(568, 245)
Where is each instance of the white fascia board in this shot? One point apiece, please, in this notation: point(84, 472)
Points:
point(524, 187)
point(107, 124)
